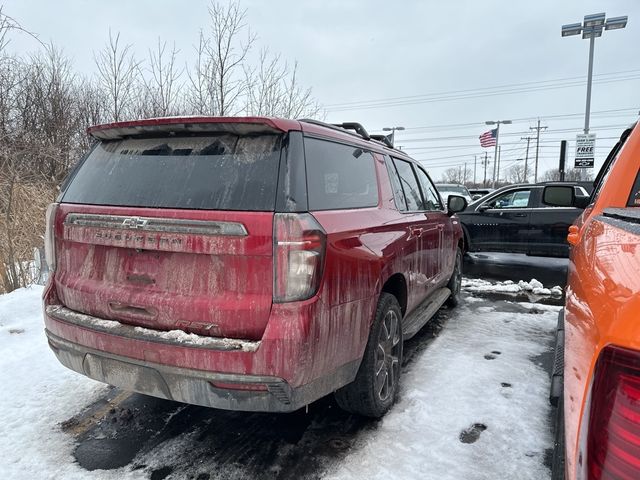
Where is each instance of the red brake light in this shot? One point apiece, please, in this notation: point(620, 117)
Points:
point(613, 445)
point(298, 256)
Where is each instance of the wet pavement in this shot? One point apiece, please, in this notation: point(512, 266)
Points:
point(164, 439)
point(515, 266)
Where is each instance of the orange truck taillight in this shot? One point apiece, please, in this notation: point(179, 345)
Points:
point(299, 244)
point(50, 237)
point(613, 443)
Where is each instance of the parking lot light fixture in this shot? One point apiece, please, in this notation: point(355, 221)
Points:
point(592, 28)
point(393, 132)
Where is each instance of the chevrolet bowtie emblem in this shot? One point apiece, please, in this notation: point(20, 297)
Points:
point(135, 222)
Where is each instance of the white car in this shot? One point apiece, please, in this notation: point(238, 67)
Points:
point(446, 189)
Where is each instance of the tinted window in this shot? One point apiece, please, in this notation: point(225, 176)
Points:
point(339, 176)
point(429, 192)
point(634, 197)
point(398, 194)
point(218, 172)
point(512, 199)
point(409, 184)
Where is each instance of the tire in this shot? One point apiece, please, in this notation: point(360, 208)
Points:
point(455, 282)
point(375, 387)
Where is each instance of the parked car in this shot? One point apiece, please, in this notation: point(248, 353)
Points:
point(477, 193)
point(598, 341)
point(247, 263)
point(446, 189)
point(516, 219)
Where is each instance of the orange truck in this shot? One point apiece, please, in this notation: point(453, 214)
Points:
point(598, 390)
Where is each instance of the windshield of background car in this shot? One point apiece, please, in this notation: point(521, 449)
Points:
point(215, 172)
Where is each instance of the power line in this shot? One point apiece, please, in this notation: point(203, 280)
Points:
point(478, 94)
point(472, 90)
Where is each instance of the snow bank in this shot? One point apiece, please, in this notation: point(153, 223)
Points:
point(533, 286)
point(37, 394)
point(461, 380)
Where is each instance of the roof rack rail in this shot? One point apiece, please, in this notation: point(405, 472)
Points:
point(352, 128)
point(384, 139)
point(358, 128)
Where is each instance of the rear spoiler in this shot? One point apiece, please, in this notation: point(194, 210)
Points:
point(181, 125)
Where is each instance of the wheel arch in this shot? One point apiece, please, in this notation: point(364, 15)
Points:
point(396, 285)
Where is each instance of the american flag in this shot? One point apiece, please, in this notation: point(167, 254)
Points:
point(488, 138)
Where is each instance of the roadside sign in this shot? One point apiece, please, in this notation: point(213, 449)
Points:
point(585, 147)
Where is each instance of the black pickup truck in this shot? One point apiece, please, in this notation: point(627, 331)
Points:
point(515, 219)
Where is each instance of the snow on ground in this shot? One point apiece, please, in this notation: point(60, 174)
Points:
point(461, 380)
point(37, 394)
point(508, 286)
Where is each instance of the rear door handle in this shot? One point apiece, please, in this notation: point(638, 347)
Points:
point(519, 214)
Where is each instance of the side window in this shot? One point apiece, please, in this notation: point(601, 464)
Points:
point(511, 199)
point(409, 185)
point(634, 197)
point(431, 197)
point(339, 176)
point(398, 194)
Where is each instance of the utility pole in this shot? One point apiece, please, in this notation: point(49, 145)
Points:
point(498, 162)
point(484, 183)
point(526, 159)
point(464, 177)
point(475, 158)
point(537, 129)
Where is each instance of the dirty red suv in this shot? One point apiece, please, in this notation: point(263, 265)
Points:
point(247, 263)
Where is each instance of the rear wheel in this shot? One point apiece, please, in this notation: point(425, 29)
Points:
point(375, 387)
point(455, 282)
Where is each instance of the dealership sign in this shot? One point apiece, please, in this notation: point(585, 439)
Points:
point(585, 146)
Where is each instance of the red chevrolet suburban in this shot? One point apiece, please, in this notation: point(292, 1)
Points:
point(252, 264)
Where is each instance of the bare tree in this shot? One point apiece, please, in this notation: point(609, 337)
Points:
point(161, 82)
point(515, 173)
point(217, 81)
point(118, 73)
point(458, 175)
point(571, 175)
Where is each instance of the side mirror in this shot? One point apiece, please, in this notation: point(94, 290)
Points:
point(484, 207)
point(559, 196)
point(455, 204)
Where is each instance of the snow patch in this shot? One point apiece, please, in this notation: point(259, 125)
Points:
point(478, 372)
point(533, 286)
point(37, 394)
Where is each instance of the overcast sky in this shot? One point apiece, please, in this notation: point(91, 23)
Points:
point(398, 59)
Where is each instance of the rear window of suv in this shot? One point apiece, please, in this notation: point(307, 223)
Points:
point(214, 172)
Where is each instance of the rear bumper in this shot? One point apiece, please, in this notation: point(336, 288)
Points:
point(230, 374)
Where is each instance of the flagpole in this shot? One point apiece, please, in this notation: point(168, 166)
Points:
point(495, 154)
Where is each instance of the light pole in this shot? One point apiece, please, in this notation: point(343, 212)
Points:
point(592, 28)
point(495, 154)
point(393, 132)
